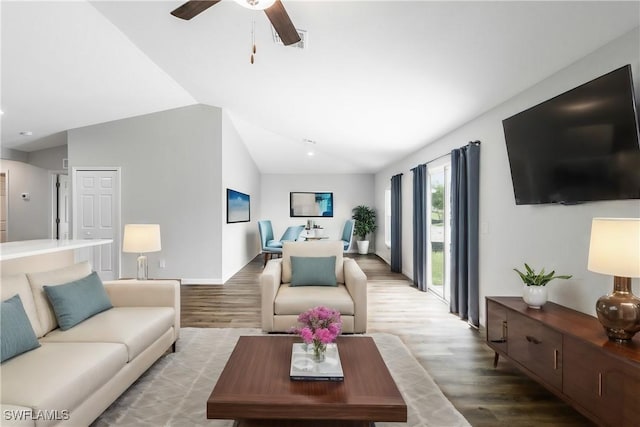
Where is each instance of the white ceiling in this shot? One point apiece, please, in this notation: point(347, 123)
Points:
point(378, 80)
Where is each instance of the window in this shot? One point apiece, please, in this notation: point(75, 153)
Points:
point(387, 217)
point(438, 255)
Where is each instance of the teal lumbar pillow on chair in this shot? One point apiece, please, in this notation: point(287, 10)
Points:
point(16, 333)
point(313, 271)
point(78, 300)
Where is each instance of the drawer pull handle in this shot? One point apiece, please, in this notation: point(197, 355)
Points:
point(599, 384)
point(555, 359)
point(533, 339)
point(501, 340)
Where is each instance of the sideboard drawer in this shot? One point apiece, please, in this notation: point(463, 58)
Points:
point(497, 326)
point(536, 347)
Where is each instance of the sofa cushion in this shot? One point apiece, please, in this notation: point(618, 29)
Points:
point(295, 300)
point(135, 327)
point(312, 249)
point(313, 271)
point(16, 332)
point(59, 376)
point(78, 300)
point(19, 284)
point(46, 316)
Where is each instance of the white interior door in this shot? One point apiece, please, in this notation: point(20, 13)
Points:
point(64, 187)
point(96, 215)
point(60, 206)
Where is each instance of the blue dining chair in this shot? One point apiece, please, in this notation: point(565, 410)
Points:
point(291, 234)
point(269, 246)
point(347, 234)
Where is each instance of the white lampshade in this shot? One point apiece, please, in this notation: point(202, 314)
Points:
point(141, 238)
point(615, 246)
point(256, 4)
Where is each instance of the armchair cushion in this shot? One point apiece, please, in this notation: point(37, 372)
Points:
point(293, 301)
point(313, 271)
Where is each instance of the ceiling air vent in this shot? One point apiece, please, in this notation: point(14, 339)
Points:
point(302, 44)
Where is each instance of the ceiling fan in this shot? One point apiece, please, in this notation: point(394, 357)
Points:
point(273, 8)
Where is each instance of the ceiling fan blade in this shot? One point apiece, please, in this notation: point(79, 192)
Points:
point(282, 23)
point(193, 8)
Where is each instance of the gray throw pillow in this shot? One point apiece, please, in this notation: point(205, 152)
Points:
point(16, 332)
point(313, 271)
point(78, 300)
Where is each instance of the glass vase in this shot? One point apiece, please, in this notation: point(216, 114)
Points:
point(319, 352)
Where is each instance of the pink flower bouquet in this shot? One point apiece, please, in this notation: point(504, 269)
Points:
point(321, 326)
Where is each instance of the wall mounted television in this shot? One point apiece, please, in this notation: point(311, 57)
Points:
point(580, 146)
point(310, 205)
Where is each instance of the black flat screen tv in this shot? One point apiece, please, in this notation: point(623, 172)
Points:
point(580, 146)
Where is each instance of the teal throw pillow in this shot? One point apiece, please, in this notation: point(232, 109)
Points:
point(78, 300)
point(313, 271)
point(16, 332)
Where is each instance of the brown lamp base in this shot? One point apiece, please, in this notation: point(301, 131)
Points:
point(619, 312)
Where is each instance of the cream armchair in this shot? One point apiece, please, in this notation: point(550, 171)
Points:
point(282, 303)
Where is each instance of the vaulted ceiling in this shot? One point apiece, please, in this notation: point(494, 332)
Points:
point(376, 81)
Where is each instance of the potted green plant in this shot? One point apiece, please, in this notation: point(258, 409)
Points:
point(365, 218)
point(535, 292)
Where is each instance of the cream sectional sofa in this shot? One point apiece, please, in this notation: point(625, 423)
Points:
point(76, 374)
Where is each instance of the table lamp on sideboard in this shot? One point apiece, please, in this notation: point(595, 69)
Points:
point(614, 249)
point(141, 239)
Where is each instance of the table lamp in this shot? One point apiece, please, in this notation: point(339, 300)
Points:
point(615, 249)
point(141, 239)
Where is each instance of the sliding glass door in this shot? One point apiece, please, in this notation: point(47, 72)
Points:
point(439, 229)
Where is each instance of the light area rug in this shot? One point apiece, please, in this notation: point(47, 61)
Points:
point(174, 391)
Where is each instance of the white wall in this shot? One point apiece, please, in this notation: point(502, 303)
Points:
point(550, 236)
point(239, 172)
point(27, 219)
point(171, 175)
point(349, 191)
point(49, 158)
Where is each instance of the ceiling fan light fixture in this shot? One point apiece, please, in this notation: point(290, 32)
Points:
point(256, 4)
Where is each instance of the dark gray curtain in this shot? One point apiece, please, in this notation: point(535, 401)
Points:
point(396, 223)
point(465, 189)
point(420, 226)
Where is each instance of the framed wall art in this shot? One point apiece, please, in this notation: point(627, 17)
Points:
point(310, 204)
point(238, 206)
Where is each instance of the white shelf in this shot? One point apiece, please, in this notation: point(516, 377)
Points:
point(25, 248)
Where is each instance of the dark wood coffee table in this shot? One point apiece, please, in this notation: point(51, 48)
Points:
point(254, 387)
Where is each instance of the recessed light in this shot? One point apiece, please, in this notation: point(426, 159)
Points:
point(310, 153)
point(26, 133)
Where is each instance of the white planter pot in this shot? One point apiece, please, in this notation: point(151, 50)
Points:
point(363, 247)
point(534, 296)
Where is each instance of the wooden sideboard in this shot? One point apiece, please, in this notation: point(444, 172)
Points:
point(569, 353)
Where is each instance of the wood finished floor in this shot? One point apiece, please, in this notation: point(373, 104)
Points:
point(454, 354)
